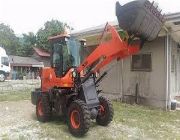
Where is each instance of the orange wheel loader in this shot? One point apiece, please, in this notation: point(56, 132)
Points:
point(71, 89)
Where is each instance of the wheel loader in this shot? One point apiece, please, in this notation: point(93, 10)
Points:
point(70, 88)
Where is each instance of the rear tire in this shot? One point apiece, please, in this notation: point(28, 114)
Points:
point(43, 108)
point(106, 112)
point(78, 118)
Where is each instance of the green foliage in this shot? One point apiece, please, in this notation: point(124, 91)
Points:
point(28, 41)
point(8, 39)
point(51, 28)
point(23, 46)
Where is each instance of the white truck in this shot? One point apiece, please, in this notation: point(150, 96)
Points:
point(4, 65)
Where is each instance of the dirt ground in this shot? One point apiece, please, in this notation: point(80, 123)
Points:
point(18, 121)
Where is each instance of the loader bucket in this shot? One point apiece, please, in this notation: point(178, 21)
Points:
point(140, 18)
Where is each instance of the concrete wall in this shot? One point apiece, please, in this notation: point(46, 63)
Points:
point(45, 60)
point(111, 84)
point(149, 86)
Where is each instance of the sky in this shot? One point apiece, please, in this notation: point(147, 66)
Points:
point(25, 16)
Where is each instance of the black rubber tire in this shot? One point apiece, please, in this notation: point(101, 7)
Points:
point(2, 80)
point(84, 118)
point(46, 108)
point(105, 118)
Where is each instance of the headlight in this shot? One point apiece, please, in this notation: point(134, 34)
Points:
point(74, 74)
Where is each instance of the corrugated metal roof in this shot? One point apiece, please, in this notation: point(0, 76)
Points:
point(41, 52)
point(93, 30)
point(24, 61)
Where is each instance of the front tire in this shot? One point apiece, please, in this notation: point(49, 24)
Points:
point(79, 118)
point(43, 108)
point(106, 112)
point(2, 77)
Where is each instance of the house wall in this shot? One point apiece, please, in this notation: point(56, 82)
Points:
point(148, 86)
point(112, 83)
point(45, 60)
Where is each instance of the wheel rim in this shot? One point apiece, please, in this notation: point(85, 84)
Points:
point(40, 111)
point(75, 119)
point(102, 110)
point(2, 77)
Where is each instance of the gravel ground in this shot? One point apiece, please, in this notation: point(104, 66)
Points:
point(18, 121)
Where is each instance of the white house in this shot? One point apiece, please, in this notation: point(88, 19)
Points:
point(151, 77)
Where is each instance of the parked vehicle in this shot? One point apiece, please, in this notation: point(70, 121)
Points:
point(4, 65)
point(70, 88)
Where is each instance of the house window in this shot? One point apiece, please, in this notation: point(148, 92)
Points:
point(141, 62)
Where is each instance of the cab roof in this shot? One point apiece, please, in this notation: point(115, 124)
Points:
point(58, 36)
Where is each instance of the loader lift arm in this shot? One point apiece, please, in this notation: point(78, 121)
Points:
point(107, 51)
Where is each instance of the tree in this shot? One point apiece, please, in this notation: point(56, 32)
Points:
point(51, 28)
point(28, 41)
point(8, 40)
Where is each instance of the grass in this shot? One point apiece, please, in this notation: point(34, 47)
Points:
point(15, 90)
point(129, 122)
point(15, 95)
point(150, 122)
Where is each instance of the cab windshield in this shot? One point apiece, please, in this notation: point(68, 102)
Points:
point(5, 61)
point(66, 55)
point(71, 52)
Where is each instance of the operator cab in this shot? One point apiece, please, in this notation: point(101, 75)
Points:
point(64, 53)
